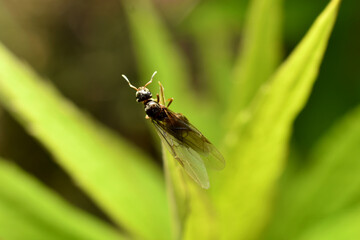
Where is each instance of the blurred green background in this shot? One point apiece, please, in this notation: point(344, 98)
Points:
point(83, 47)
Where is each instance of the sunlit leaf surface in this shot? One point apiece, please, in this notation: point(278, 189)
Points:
point(259, 52)
point(328, 187)
point(28, 210)
point(197, 68)
point(113, 172)
point(258, 139)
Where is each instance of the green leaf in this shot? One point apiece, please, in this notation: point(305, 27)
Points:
point(332, 178)
point(176, 188)
point(118, 176)
point(28, 210)
point(257, 143)
point(155, 50)
point(191, 207)
point(215, 59)
point(200, 223)
point(214, 25)
point(260, 52)
point(340, 226)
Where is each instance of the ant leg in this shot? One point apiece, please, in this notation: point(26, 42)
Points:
point(162, 95)
point(157, 98)
point(170, 101)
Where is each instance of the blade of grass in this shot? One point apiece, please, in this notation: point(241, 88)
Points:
point(200, 223)
point(331, 184)
point(212, 24)
point(257, 144)
point(186, 199)
point(260, 52)
point(153, 44)
point(177, 193)
point(156, 50)
point(215, 62)
point(28, 210)
point(192, 210)
point(118, 176)
point(341, 226)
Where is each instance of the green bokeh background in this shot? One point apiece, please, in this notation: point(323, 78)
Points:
point(83, 47)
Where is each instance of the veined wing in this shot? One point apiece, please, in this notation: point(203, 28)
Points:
point(185, 133)
point(187, 157)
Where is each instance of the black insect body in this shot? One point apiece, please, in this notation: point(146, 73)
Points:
point(154, 110)
point(187, 144)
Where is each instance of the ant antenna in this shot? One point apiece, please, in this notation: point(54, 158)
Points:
point(129, 82)
point(151, 78)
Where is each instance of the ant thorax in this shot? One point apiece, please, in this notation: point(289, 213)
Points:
point(154, 110)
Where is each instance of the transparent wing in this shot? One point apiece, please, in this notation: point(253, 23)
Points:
point(210, 155)
point(187, 157)
point(184, 132)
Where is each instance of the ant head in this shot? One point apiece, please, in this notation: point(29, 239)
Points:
point(142, 93)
